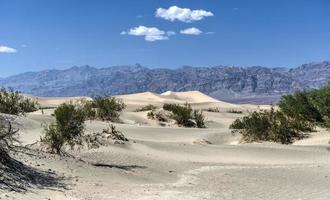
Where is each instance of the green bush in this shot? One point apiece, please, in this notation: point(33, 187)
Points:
point(235, 111)
point(158, 115)
point(199, 118)
point(212, 110)
point(67, 129)
point(271, 125)
point(181, 114)
point(321, 100)
point(326, 122)
point(185, 115)
point(108, 108)
point(12, 102)
point(299, 112)
point(146, 108)
point(300, 106)
point(89, 109)
point(151, 114)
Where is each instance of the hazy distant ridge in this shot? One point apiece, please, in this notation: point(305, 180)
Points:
point(222, 82)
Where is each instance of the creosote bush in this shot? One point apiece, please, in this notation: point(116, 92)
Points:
point(158, 115)
point(12, 102)
point(185, 116)
point(199, 118)
point(146, 108)
point(274, 126)
point(104, 108)
point(67, 129)
point(299, 112)
point(235, 111)
point(212, 110)
point(299, 105)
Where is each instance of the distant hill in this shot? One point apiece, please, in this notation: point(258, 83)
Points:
point(235, 84)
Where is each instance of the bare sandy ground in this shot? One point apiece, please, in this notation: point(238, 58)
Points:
point(173, 163)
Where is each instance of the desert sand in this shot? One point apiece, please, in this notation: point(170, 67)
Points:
point(178, 163)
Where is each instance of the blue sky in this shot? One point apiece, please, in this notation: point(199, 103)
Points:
point(40, 34)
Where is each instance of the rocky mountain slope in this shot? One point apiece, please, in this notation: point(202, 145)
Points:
point(231, 83)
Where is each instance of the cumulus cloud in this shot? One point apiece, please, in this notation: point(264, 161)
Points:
point(4, 49)
point(191, 31)
point(182, 14)
point(170, 33)
point(150, 34)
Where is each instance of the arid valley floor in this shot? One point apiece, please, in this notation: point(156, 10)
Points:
point(170, 162)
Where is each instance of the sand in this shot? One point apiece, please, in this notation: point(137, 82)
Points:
point(176, 163)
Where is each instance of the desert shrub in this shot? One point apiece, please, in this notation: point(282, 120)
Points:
point(89, 109)
point(146, 108)
point(114, 134)
point(234, 111)
point(158, 115)
point(185, 116)
point(199, 118)
point(53, 137)
point(300, 106)
point(170, 107)
point(212, 110)
point(151, 114)
point(67, 129)
point(7, 135)
point(326, 122)
point(271, 125)
point(98, 139)
point(161, 116)
point(12, 102)
point(108, 108)
point(321, 100)
point(181, 114)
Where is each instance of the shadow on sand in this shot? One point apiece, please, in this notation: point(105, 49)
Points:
point(18, 177)
point(122, 167)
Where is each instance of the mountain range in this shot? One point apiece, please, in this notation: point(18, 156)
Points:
point(254, 84)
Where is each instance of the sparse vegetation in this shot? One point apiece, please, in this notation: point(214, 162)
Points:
point(69, 124)
point(234, 111)
point(104, 108)
point(108, 108)
point(300, 106)
point(158, 115)
point(7, 135)
point(98, 139)
point(199, 118)
point(114, 134)
point(185, 116)
point(212, 110)
point(271, 125)
point(67, 129)
point(12, 102)
point(146, 108)
point(298, 113)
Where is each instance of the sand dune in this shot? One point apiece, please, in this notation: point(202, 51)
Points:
point(172, 162)
point(190, 97)
point(55, 101)
point(196, 98)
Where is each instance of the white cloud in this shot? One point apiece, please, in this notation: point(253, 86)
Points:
point(4, 49)
point(182, 14)
point(209, 33)
point(170, 33)
point(150, 34)
point(191, 31)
